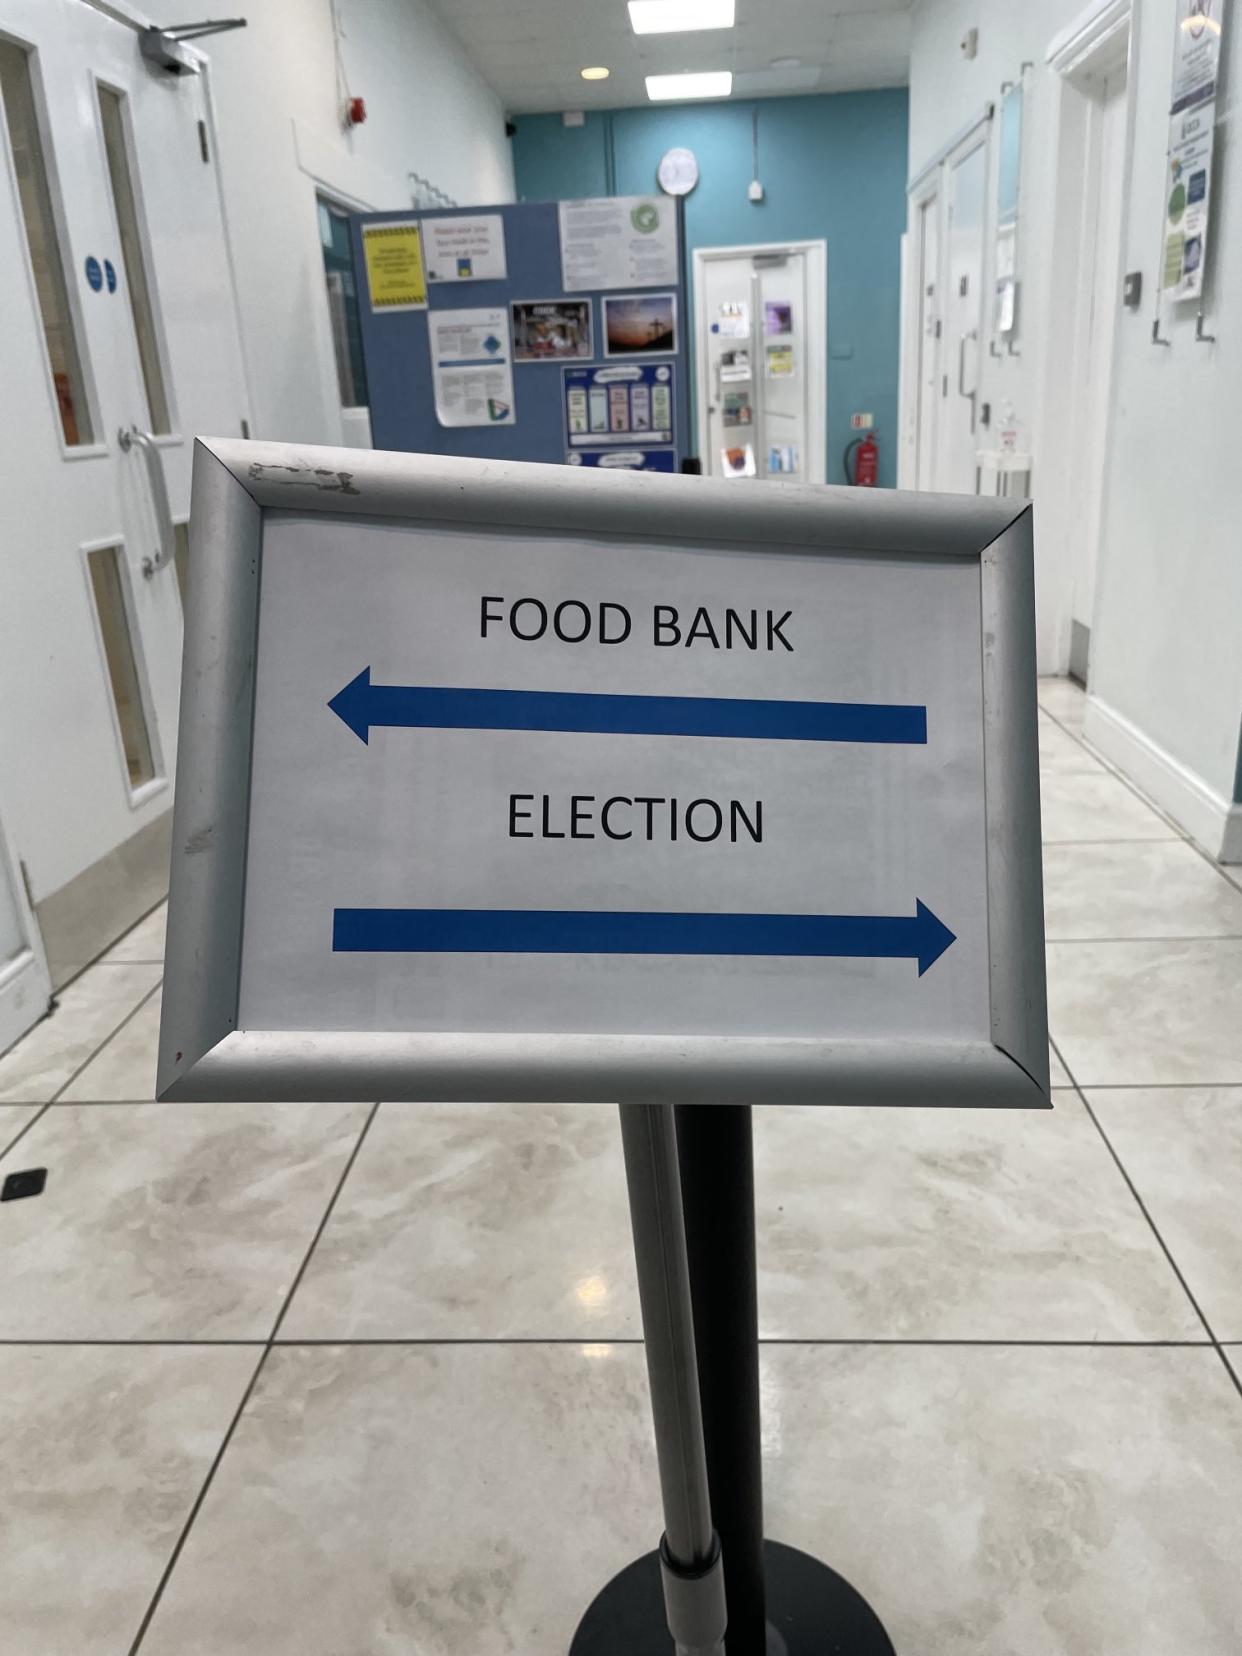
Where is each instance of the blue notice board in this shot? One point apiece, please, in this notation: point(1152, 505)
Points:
point(396, 346)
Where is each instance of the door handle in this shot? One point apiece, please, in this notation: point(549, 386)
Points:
point(158, 485)
point(961, 375)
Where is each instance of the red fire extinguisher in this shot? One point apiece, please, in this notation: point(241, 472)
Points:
point(863, 467)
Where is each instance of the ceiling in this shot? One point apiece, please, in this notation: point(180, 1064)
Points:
point(531, 50)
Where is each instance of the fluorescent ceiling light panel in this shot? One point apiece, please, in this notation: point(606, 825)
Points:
point(680, 16)
point(711, 83)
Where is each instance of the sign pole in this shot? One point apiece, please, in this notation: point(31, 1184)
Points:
point(690, 1572)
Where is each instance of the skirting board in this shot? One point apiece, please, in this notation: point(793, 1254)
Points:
point(1209, 818)
point(85, 917)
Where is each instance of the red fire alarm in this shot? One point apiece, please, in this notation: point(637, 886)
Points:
point(356, 111)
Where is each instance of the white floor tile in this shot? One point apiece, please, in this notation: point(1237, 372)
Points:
point(1065, 700)
point(177, 1223)
point(103, 1453)
point(1061, 752)
point(1161, 889)
point(145, 941)
point(13, 1117)
point(1094, 806)
point(468, 1222)
point(1148, 1014)
point(90, 1010)
point(471, 1500)
point(124, 1069)
point(1182, 1147)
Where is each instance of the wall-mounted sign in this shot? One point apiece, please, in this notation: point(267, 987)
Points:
point(627, 405)
point(393, 254)
point(624, 459)
point(618, 242)
point(530, 783)
point(551, 330)
point(1187, 199)
point(465, 249)
point(471, 366)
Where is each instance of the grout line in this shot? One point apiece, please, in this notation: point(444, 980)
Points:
point(46, 1106)
point(40, 1110)
point(1194, 937)
point(99, 960)
point(1155, 1229)
point(323, 1223)
point(241, 1407)
point(129, 1016)
point(1156, 1086)
point(198, 1501)
point(417, 1342)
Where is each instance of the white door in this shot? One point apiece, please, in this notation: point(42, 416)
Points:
point(961, 310)
point(927, 338)
point(760, 349)
point(121, 344)
point(25, 988)
point(1101, 291)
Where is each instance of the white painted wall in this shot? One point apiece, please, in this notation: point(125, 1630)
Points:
point(1167, 639)
point(278, 109)
point(1166, 666)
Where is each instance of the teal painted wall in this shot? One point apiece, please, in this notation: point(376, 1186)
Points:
point(833, 167)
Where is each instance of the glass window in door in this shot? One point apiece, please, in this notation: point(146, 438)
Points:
point(17, 93)
point(116, 148)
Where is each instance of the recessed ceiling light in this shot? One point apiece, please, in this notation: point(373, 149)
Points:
point(597, 73)
point(785, 63)
point(711, 83)
point(680, 16)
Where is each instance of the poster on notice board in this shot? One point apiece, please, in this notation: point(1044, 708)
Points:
point(618, 242)
point(471, 366)
point(465, 249)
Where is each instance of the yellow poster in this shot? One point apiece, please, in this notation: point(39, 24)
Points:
point(395, 274)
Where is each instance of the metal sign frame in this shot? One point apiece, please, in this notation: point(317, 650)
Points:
point(203, 1052)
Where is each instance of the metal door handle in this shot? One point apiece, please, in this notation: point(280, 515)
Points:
point(158, 484)
point(961, 375)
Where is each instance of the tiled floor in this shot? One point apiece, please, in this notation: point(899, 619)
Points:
point(344, 1380)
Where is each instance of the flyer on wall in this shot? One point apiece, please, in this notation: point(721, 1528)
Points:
point(618, 242)
point(465, 249)
point(738, 462)
point(780, 362)
point(1196, 51)
point(551, 330)
point(393, 254)
point(1187, 196)
point(732, 319)
point(471, 367)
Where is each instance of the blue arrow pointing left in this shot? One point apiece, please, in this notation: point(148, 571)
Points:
point(921, 936)
point(362, 705)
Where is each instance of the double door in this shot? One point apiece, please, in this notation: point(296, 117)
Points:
point(760, 353)
point(122, 343)
point(946, 320)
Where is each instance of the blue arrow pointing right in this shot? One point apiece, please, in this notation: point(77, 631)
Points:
point(920, 937)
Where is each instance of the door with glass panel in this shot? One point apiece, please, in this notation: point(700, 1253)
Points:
point(760, 360)
point(965, 174)
point(121, 344)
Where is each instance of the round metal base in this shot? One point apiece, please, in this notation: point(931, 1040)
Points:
point(812, 1611)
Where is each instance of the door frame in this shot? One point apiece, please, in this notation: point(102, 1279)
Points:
point(816, 336)
point(1096, 44)
point(929, 183)
point(921, 194)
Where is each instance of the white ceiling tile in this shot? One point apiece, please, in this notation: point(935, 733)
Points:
point(531, 51)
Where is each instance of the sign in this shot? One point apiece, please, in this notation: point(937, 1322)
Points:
point(1196, 51)
point(465, 249)
point(618, 242)
point(394, 259)
point(624, 459)
point(1187, 198)
point(94, 273)
point(471, 366)
point(628, 405)
point(521, 782)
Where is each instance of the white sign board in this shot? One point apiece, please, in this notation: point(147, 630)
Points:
point(465, 249)
point(471, 366)
point(582, 785)
point(618, 242)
